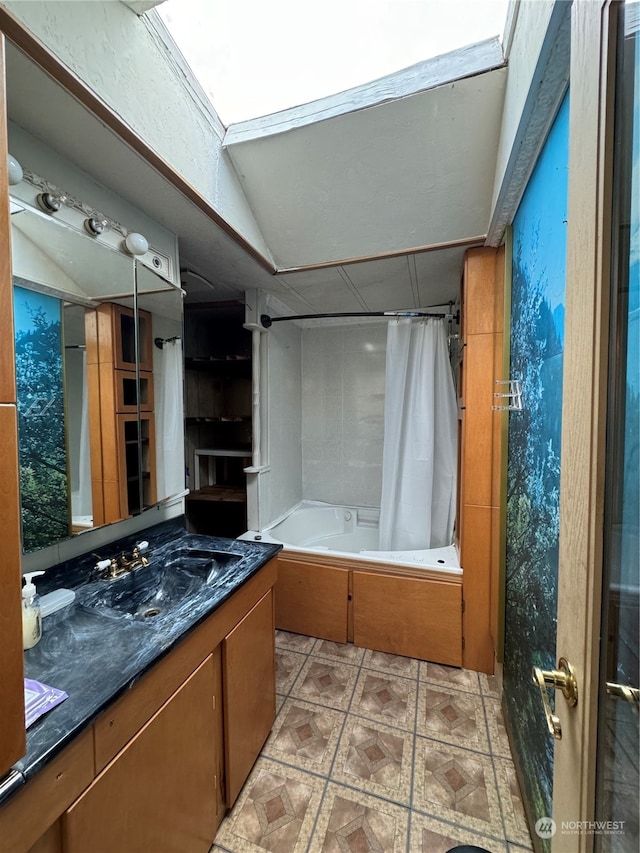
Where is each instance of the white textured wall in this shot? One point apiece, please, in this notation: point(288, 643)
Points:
point(530, 27)
point(343, 371)
point(281, 487)
point(121, 57)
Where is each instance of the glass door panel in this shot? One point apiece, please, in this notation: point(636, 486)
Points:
point(618, 790)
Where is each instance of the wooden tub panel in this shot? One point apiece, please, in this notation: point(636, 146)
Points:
point(312, 598)
point(408, 616)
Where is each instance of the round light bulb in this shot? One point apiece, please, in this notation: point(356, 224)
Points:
point(136, 244)
point(15, 173)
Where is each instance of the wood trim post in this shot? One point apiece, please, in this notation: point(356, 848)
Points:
point(480, 492)
point(584, 406)
point(12, 727)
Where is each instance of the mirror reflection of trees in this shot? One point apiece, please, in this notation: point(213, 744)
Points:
point(41, 423)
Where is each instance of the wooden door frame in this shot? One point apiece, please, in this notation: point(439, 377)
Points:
point(584, 410)
point(12, 726)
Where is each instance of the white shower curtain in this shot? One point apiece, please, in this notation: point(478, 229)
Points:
point(170, 467)
point(420, 446)
point(84, 506)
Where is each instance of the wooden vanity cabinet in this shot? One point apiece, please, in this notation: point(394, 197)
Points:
point(389, 608)
point(158, 793)
point(249, 692)
point(29, 821)
point(158, 769)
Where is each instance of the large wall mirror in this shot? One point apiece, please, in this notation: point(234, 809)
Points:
point(99, 430)
point(100, 405)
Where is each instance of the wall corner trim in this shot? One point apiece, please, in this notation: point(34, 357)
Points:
point(548, 87)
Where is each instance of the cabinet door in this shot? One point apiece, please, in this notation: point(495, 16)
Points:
point(124, 335)
point(408, 616)
point(249, 688)
point(159, 793)
point(312, 599)
point(136, 461)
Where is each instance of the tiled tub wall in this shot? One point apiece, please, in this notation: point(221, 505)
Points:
point(281, 486)
point(343, 377)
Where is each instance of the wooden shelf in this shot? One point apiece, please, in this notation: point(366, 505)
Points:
point(203, 419)
point(235, 494)
point(199, 360)
point(231, 366)
point(218, 406)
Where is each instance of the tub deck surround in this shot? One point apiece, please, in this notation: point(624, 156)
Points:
point(333, 584)
point(350, 532)
point(94, 657)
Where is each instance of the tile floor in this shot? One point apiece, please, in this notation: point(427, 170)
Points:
point(374, 752)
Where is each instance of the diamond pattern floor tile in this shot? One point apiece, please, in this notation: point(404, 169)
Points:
point(275, 812)
point(345, 652)
point(305, 736)
point(376, 759)
point(430, 835)
point(378, 753)
point(452, 716)
point(450, 676)
point(288, 666)
point(498, 738)
point(458, 785)
point(295, 642)
point(387, 698)
point(353, 822)
point(515, 822)
point(328, 683)
point(391, 664)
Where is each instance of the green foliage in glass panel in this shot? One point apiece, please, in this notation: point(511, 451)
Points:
point(41, 429)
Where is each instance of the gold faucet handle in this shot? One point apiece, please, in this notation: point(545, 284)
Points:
point(107, 568)
point(138, 555)
point(139, 548)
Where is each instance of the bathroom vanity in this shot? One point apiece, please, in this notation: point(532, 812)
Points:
point(166, 714)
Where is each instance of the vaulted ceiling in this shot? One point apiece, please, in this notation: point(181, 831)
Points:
point(367, 200)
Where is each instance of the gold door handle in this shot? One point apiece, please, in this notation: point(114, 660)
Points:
point(625, 692)
point(562, 679)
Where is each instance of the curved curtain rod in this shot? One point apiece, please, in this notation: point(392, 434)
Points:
point(160, 342)
point(266, 320)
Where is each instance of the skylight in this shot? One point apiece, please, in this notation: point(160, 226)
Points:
point(253, 57)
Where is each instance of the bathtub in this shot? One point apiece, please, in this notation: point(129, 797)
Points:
point(351, 532)
point(334, 583)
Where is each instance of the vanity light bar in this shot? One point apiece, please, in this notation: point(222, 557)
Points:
point(45, 197)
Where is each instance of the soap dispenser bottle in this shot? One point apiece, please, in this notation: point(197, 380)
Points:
point(31, 617)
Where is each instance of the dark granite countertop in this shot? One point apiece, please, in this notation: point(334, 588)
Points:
point(95, 652)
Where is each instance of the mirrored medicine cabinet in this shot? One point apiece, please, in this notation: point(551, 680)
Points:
point(99, 428)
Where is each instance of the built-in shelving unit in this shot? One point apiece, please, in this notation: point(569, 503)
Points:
point(120, 412)
point(217, 417)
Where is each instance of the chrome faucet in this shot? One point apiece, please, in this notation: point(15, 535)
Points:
point(117, 566)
